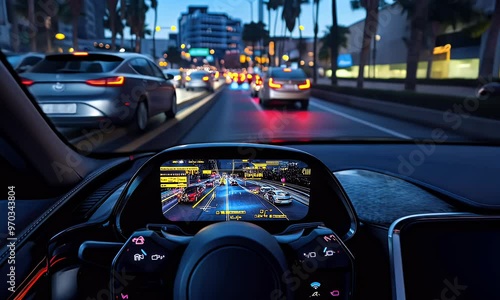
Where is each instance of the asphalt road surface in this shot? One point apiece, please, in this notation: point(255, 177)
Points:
point(237, 117)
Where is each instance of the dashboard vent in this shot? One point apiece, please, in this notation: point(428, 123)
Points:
point(90, 204)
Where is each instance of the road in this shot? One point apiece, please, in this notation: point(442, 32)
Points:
point(235, 116)
point(240, 202)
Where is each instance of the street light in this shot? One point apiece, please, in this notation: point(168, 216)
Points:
point(285, 57)
point(301, 27)
point(212, 51)
point(183, 46)
point(60, 36)
point(376, 38)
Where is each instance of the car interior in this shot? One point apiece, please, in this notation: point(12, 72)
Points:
point(380, 220)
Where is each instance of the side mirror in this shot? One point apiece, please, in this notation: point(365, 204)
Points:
point(169, 76)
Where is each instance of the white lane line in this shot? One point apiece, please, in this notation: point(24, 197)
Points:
point(227, 203)
point(369, 124)
point(170, 208)
point(151, 135)
point(257, 105)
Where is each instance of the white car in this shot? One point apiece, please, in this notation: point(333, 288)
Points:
point(278, 197)
point(264, 189)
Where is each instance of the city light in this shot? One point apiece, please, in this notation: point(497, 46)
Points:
point(183, 46)
point(122, 50)
point(378, 37)
point(271, 48)
point(301, 27)
point(60, 36)
point(302, 62)
point(311, 63)
point(107, 46)
point(285, 57)
point(212, 51)
point(173, 28)
point(157, 28)
point(71, 50)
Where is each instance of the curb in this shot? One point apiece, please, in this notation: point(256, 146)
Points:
point(475, 128)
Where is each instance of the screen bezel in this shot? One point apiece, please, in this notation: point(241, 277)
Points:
point(396, 240)
point(138, 204)
point(306, 210)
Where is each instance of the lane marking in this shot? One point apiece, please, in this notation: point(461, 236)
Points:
point(257, 106)
point(170, 208)
point(369, 124)
point(170, 197)
point(196, 204)
point(265, 201)
point(207, 206)
point(151, 135)
point(227, 202)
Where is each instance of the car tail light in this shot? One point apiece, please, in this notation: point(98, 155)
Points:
point(273, 84)
point(287, 70)
point(305, 86)
point(27, 82)
point(80, 53)
point(188, 78)
point(109, 81)
point(205, 78)
point(249, 76)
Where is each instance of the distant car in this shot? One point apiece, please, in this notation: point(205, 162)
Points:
point(23, 62)
point(209, 183)
point(489, 91)
point(200, 80)
point(179, 79)
point(264, 189)
point(278, 197)
point(190, 194)
point(256, 85)
point(285, 84)
point(81, 89)
point(234, 183)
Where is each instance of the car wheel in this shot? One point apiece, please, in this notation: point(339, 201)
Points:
point(173, 108)
point(141, 117)
point(304, 104)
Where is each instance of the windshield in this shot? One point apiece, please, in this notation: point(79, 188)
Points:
point(258, 71)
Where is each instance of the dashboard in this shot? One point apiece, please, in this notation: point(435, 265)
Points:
point(259, 221)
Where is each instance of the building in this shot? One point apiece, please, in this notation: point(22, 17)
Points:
point(456, 53)
point(90, 25)
point(199, 28)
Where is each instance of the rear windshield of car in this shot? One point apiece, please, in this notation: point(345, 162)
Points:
point(69, 63)
point(288, 74)
point(14, 60)
point(198, 75)
point(172, 72)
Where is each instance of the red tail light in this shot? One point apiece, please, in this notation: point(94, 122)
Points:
point(273, 84)
point(305, 86)
point(109, 81)
point(249, 76)
point(27, 82)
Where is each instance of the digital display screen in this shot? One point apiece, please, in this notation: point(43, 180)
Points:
point(451, 259)
point(234, 189)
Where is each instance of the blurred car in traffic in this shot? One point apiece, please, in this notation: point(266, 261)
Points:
point(23, 62)
point(285, 84)
point(278, 197)
point(489, 91)
point(179, 79)
point(256, 85)
point(82, 89)
point(190, 194)
point(234, 183)
point(264, 189)
point(200, 80)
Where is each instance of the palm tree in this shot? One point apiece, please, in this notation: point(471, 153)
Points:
point(334, 50)
point(70, 13)
point(315, 11)
point(119, 26)
point(490, 50)
point(291, 14)
point(154, 5)
point(328, 41)
point(418, 13)
point(31, 19)
point(253, 33)
point(136, 15)
point(274, 5)
point(370, 29)
point(112, 21)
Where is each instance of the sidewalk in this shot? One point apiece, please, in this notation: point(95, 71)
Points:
point(421, 88)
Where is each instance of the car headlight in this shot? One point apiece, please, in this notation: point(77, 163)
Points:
point(177, 77)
